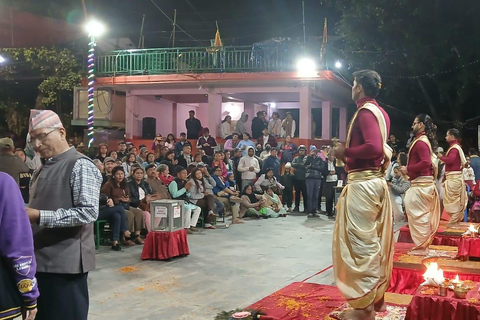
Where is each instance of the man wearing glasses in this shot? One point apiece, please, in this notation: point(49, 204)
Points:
point(63, 205)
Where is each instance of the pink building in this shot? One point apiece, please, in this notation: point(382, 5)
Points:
point(162, 84)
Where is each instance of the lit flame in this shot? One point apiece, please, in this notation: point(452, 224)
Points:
point(456, 280)
point(434, 273)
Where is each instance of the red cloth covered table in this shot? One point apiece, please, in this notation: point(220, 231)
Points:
point(165, 245)
point(427, 305)
point(408, 270)
point(468, 247)
point(439, 238)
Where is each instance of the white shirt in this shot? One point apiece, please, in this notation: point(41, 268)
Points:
point(331, 177)
point(141, 194)
point(468, 174)
point(265, 141)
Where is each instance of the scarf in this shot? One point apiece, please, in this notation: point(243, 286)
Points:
point(288, 127)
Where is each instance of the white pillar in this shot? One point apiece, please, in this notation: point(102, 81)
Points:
point(326, 120)
point(305, 121)
point(131, 121)
point(214, 113)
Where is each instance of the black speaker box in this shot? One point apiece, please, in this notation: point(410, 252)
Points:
point(149, 126)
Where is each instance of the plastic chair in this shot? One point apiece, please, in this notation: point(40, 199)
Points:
point(99, 232)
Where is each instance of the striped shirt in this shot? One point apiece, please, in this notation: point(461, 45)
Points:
point(85, 181)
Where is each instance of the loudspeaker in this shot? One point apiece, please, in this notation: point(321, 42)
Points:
point(149, 126)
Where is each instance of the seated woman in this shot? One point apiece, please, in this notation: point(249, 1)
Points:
point(141, 194)
point(115, 215)
point(150, 160)
point(223, 194)
point(170, 160)
point(227, 159)
point(164, 174)
point(199, 196)
point(268, 180)
point(170, 141)
point(253, 205)
point(272, 201)
point(218, 162)
point(130, 160)
point(178, 189)
point(117, 190)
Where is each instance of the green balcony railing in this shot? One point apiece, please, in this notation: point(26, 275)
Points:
point(197, 60)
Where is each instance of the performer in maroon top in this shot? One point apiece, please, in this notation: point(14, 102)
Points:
point(422, 204)
point(362, 251)
point(366, 147)
point(455, 197)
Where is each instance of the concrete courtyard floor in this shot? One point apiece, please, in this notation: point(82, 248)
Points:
point(226, 269)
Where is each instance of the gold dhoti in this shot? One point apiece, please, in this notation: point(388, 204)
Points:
point(455, 197)
point(422, 206)
point(363, 239)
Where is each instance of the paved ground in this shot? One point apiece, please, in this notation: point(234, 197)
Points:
point(227, 269)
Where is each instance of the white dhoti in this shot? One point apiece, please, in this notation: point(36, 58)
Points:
point(363, 239)
point(422, 206)
point(455, 197)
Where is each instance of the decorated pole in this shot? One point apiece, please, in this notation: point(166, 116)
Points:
point(94, 29)
point(91, 89)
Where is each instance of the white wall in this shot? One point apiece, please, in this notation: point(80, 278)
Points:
point(161, 110)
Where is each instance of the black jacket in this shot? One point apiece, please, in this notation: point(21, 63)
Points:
point(316, 168)
point(134, 194)
point(257, 127)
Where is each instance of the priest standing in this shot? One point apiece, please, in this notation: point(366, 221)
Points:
point(363, 234)
point(455, 198)
point(422, 204)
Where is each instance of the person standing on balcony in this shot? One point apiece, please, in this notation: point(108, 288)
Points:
point(193, 125)
point(226, 128)
point(275, 125)
point(240, 126)
point(258, 125)
point(288, 126)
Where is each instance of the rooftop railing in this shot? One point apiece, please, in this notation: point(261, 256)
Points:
point(198, 60)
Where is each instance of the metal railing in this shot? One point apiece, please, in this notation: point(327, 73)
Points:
point(197, 60)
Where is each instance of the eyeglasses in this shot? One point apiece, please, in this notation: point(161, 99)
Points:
point(41, 137)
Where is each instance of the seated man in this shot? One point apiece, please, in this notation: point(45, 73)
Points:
point(223, 194)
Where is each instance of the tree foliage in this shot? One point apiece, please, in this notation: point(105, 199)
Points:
point(427, 52)
point(55, 71)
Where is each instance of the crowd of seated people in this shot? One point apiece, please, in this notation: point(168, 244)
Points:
point(242, 177)
point(246, 178)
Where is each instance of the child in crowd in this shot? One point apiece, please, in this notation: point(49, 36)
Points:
point(287, 181)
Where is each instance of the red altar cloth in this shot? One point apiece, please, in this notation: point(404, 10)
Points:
point(428, 306)
point(408, 270)
point(443, 236)
point(469, 247)
point(165, 245)
point(299, 301)
point(302, 301)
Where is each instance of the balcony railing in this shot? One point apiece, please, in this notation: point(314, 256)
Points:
point(198, 60)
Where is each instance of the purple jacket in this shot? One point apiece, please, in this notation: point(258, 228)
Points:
point(16, 250)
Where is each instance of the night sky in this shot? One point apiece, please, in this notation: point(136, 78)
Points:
point(241, 22)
